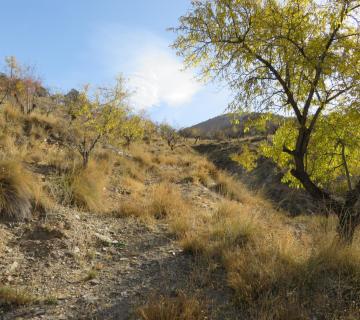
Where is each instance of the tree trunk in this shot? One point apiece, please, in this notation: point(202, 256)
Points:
point(348, 215)
point(85, 156)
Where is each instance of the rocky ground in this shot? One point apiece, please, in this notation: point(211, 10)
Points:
point(78, 265)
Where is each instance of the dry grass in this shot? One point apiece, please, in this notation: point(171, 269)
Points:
point(130, 208)
point(162, 201)
point(63, 160)
point(177, 308)
point(226, 229)
point(232, 189)
point(168, 159)
point(276, 272)
point(141, 155)
point(83, 188)
point(12, 114)
point(129, 168)
point(20, 192)
point(88, 187)
point(14, 297)
point(166, 201)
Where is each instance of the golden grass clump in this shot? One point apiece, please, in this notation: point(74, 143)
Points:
point(14, 297)
point(12, 114)
point(131, 208)
point(197, 169)
point(168, 159)
point(20, 192)
point(163, 200)
point(226, 229)
point(83, 187)
point(141, 155)
point(128, 167)
point(176, 308)
point(8, 147)
point(87, 189)
point(62, 159)
point(232, 189)
point(166, 201)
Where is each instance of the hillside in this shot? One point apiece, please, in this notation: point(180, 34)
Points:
point(109, 212)
point(223, 126)
point(265, 178)
point(221, 122)
point(146, 231)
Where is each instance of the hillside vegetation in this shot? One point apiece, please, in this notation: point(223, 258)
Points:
point(96, 227)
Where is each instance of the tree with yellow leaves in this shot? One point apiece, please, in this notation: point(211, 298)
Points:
point(95, 116)
point(294, 57)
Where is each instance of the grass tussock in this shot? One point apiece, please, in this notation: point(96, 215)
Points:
point(232, 189)
point(83, 188)
point(176, 308)
point(12, 114)
point(198, 170)
point(163, 200)
point(14, 297)
point(20, 192)
point(141, 155)
point(166, 201)
point(129, 208)
point(226, 229)
point(129, 168)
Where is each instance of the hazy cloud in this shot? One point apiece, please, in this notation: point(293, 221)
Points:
point(155, 74)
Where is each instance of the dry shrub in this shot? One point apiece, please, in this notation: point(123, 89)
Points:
point(14, 297)
point(20, 192)
point(177, 308)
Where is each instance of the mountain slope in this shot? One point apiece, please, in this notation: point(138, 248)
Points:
point(224, 126)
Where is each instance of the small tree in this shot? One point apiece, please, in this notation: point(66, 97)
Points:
point(150, 130)
point(131, 129)
point(21, 86)
point(169, 134)
point(196, 134)
point(95, 117)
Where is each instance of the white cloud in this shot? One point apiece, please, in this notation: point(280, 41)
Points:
point(155, 74)
point(158, 78)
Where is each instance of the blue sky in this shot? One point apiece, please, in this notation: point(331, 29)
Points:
point(73, 42)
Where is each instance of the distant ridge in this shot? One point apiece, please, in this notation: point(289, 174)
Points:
point(217, 123)
point(222, 125)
